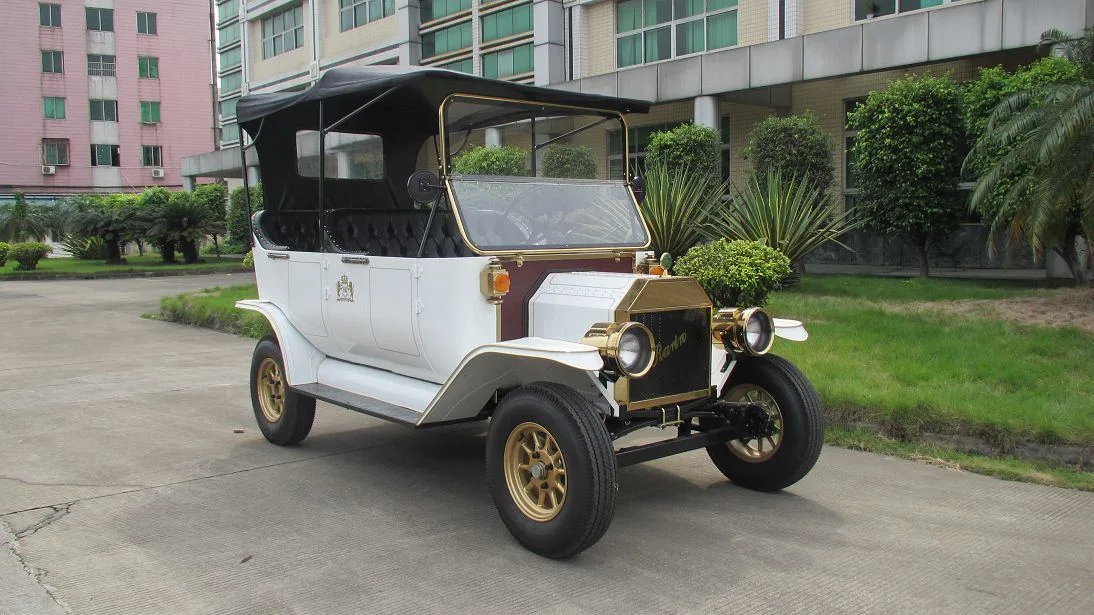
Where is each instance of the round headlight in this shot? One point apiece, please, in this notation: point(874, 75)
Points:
point(759, 331)
point(635, 353)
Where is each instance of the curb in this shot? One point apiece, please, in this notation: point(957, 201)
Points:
point(31, 276)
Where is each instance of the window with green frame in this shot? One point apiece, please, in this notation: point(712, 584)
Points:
point(149, 67)
point(226, 35)
point(231, 58)
point(227, 10)
point(150, 112)
point(49, 15)
point(508, 62)
point(654, 30)
point(446, 40)
point(231, 82)
point(53, 61)
point(55, 152)
point(228, 107)
point(505, 23)
point(356, 13)
point(229, 133)
point(464, 66)
point(866, 9)
point(436, 9)
point(53, 108)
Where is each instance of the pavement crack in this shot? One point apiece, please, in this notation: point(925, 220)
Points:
point(9, 541)
point(76, 485)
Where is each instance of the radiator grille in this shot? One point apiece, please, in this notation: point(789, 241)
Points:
point(682, 341)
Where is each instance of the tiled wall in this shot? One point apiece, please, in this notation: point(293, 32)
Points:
point(823, 15)
point(599, 39)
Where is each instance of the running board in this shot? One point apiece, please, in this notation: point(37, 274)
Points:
point(360, 403)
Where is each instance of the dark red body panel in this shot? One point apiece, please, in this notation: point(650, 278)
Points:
point(525, 280)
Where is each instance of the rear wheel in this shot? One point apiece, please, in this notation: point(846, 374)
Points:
point(793, 444)
point(551, 469)
point(283, 416)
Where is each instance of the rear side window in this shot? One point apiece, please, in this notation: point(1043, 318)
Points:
point(348, 155)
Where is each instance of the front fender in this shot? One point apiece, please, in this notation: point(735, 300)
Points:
point(301, 358)
point(509, 364)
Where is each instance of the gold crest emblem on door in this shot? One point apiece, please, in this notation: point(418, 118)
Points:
point(344, 289)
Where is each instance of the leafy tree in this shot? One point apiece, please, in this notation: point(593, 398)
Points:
point(20, 221)
point(213, 197)
point(151, 204)
point(501, 161)
point(238, 224)
point(688, 146)
point(1036, 154)
point(908, 152)
point(56, 219)
point(794, 146)
point(569, 161)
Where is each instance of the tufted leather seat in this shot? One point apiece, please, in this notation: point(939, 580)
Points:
point(394, 232)
point(296, 230)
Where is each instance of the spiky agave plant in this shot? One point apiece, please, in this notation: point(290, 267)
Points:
point(679, 204)
point(788, 214)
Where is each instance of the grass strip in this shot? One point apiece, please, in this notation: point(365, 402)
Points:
point(214, 308)
point(52, 267)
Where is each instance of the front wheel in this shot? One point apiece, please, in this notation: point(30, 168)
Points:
point(783, 457)
point(283, 416)
point(551, 469)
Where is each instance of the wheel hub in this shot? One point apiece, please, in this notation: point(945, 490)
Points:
point(761, 421)
point(539, 470)
point(535, 472)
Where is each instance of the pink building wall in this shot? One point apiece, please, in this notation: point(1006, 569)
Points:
point(184, 90)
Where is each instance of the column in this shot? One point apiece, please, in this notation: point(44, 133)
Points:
point(253, 176)
point(187, 183)
point(493, 137)
point(409, 17)
point(707, 112)
point(549, 39)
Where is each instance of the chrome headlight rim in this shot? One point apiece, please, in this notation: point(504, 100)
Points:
point(732, 323)
point(608, 339)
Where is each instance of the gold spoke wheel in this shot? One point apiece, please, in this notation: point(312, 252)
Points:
point(757, 450)
point(271, 390)
point(535, 471)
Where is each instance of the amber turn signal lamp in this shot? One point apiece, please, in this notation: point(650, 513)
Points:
point(494, 282)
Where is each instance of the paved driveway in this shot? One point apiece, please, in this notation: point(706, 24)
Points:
point(123, 489)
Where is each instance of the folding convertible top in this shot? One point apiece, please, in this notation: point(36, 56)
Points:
point(417, 86)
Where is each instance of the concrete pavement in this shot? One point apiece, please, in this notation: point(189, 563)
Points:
point(123, 489)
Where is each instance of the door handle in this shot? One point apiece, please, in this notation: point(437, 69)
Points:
point(277, 255)
point(355, 260)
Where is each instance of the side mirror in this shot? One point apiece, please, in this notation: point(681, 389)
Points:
point(423, 186)
point(638, 187)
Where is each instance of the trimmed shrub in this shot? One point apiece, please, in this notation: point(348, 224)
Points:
point(688, 146)
point(249, 259)
point(735, 273)
point(795, 146)
point(239, 227)
point(28, 254)
point(502, 161)
point(4, 253)
point(569, 161)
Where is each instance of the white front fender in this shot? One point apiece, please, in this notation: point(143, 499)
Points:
point(792, 330)
point(300, 357)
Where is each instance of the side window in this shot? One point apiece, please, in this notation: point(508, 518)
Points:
point(348, 155)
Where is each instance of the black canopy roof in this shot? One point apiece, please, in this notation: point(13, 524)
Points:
point(421, 87)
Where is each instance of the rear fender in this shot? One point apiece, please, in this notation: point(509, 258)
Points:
point(301, 358)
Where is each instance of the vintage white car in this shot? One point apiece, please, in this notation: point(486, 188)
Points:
point(523, 297)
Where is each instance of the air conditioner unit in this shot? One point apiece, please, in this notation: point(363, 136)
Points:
point(157, 173)
point(49, 169)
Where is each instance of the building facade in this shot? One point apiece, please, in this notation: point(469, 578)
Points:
point(100, 97)
point(726, 64)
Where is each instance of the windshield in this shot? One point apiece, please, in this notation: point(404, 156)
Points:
point(527, 176)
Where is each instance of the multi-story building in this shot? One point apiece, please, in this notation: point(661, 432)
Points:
point(721, 63)
point(103, 95)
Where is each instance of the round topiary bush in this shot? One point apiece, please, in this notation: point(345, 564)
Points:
point(569, 161)
point(28, 254)
point(687, 146)
point(735, 273)
point(4, 253)
point(501, 161)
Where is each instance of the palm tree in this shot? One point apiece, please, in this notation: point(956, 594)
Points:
point(185, 221)
point(1046, 174)
point(21, 222)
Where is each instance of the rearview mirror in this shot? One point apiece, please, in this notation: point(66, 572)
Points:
point(423, 186)
point(638, 187)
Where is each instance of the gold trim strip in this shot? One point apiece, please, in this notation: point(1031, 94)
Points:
point(670, 399)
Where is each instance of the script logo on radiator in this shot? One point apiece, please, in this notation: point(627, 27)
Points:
point(662, 352)
point(345, 289)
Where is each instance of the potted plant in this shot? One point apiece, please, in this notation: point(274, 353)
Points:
point(871, 10)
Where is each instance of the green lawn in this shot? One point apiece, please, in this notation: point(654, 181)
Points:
point(135, 264)
point(215, 308)
point(908, 371)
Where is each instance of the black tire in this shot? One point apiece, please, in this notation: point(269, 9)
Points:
point(802, 426)
point(591, 485)
point(298, 411)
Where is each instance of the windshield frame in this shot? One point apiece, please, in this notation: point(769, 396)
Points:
point(444, 160)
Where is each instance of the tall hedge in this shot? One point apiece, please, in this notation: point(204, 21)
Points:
point(688, 145)
point(794, 146)
point(239, 227)
point(908, 151)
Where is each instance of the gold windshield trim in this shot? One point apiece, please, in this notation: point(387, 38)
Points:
point(442, 158)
